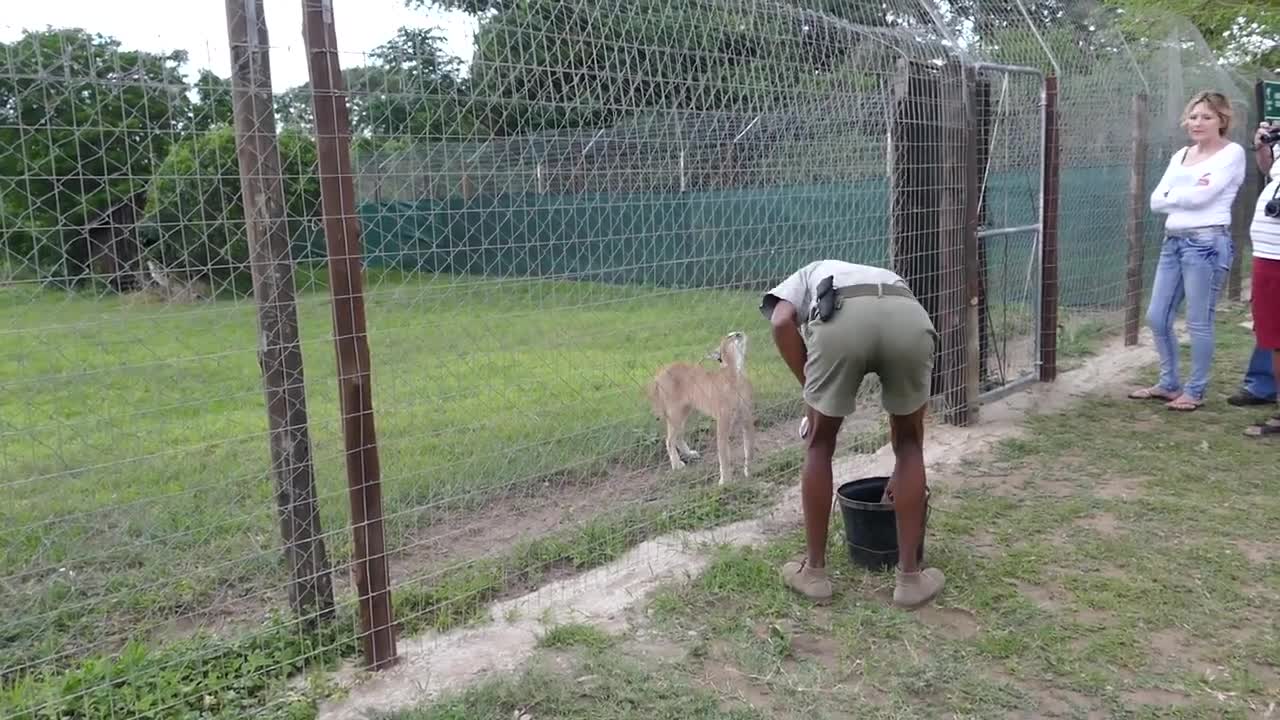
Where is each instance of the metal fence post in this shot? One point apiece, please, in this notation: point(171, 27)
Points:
point(1049, 237)
point(1137, 221)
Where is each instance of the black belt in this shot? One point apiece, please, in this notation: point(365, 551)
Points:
point(852, 291)
point(873, 290)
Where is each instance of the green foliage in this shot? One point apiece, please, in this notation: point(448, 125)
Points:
point(656, 54)
point(213, 102)
point(1247, 32)
point(195, 212)
point(205, 678)
point(413, 90)
point(82, 125)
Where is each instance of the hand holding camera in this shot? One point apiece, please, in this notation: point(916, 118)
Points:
point(1267, 134)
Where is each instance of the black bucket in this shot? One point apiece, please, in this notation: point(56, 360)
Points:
point(871, 526)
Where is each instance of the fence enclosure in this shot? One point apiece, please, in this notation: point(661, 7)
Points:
point(206, 282)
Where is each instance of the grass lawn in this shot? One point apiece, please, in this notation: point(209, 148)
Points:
point(133, 446)
point(1117, 561)
point(133, 449)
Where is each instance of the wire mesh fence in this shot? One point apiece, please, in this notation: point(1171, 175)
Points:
point(200, 508)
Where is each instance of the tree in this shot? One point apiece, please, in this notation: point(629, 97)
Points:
point(83, 124)
point(412, 89)
point(213, 102)
point(1245, 32)
point(195, 215)
point(548, 64)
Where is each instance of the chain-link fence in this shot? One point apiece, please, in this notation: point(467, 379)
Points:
point(214, 293)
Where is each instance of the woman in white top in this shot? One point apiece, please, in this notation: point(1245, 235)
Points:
point(1196, 194)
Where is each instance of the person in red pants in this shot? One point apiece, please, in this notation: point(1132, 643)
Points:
point(1265, 235)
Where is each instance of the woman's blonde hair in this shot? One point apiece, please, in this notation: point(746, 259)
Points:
point(1217, 102)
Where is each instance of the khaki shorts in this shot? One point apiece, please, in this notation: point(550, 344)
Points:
point(891, 336)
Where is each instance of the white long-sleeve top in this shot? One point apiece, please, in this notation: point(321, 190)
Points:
point(1200, 195)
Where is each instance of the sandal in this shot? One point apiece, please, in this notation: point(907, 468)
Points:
point(1184, 404)
point(1270, 426)
point(1152, 393)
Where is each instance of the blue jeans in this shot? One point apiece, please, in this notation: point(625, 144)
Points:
point(1193, 266)
point(1260, 379)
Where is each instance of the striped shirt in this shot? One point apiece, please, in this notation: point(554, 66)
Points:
point(1264, 233)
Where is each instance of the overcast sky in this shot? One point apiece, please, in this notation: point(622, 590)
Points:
point(200, 28)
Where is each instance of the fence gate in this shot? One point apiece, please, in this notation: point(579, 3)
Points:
point(1016, 237)
point(968, 185)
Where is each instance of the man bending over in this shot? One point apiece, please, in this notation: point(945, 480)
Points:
point(833, 322)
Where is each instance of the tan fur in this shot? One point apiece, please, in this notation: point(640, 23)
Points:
point(724, 394)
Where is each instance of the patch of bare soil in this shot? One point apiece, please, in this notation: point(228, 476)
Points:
point(954, 623)
point(1258, 553)
point(733, 685)
point(803, 645)
point(983, 543)
point(1156, 697)
point(656, 649)
point(494, 526)
point(1103, 523)
point(995, 479)
point(1174, 648)
point(490, 529)
point(1057, 703)
point(1048, 598)
point(1119, 488)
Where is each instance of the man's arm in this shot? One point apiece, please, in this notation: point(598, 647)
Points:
point(1264, 154)
point(786, 336)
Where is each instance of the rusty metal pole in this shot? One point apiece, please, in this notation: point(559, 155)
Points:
point(1049, 237)
point(310, 587)
point(1137, 225)
point(355, 388)
point(973, 267)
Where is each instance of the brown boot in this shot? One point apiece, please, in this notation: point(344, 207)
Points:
point(913, 590)
point(813, 584)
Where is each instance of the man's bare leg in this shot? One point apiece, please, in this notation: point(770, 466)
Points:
point(815, 487)
point(914, 586)
point(809, 577)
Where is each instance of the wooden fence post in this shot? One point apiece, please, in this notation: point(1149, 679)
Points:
point(1137, 224)
point(279, 350)
point(351, 339)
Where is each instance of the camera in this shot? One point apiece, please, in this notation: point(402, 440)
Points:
point(1272, 208)
point(1271, 136)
